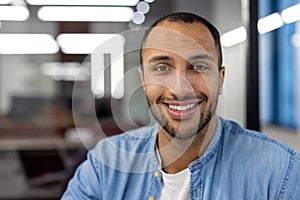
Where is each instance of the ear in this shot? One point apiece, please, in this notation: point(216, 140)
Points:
point(221, 79)
point(142, 76)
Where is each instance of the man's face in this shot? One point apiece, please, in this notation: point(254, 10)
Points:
point(181, 78)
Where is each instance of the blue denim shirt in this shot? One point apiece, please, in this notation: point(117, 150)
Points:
point(238, 164)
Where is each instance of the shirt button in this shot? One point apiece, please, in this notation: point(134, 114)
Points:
point(156, 174)
point(151, 198)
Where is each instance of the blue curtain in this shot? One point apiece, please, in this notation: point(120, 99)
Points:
point(278, 99)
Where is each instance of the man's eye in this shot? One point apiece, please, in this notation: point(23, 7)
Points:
point(162, 68)
point(199, 67)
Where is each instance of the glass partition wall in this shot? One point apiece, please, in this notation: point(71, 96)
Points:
point(278, 28)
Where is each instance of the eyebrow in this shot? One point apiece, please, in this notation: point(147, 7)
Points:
point(159, 58)
point(167, 58)
point(202, 56)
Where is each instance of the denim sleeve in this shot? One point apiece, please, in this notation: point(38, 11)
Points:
point(291, 187)
point(85, 183)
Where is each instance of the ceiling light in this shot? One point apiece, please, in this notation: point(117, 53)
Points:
point(143, 7)
point(138, 17)
point(84, 2)
point(5, 1)
point(27, 44)
point(149, 1)
point(73, 43)
point(291, 14)
point(76, 13)
point(14, 13)
point(269, 23)
point(234, 37)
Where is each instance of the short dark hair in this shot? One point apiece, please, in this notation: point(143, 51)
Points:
point(188, 18)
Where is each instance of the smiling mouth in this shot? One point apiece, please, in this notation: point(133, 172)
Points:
point(178, 110)
point(182, 107)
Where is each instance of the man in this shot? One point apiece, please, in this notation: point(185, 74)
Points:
point(191, 153)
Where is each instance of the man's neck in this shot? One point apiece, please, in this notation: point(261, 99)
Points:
point(176, 154)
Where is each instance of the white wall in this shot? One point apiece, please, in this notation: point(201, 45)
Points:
point(231, 14)
point(235, 83)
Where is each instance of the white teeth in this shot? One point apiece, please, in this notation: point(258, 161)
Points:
point(182, 108)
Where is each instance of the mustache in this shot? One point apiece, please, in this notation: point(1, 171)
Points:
point(182, 98)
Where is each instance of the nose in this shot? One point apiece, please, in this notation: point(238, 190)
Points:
point(180, 85)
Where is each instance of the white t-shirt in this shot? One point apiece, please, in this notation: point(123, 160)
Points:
point(175, 186)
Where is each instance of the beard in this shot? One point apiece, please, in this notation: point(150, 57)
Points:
point(183, 132)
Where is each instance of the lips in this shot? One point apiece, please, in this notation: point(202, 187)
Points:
point(181, 110)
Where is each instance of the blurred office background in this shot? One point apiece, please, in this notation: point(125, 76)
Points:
point(44, 48)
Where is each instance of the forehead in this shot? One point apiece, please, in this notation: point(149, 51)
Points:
point(181, 39)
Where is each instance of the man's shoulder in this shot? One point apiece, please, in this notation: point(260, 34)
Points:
point(131, 151)
point(130, 139)
point(263, 163)
point(254, 141)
